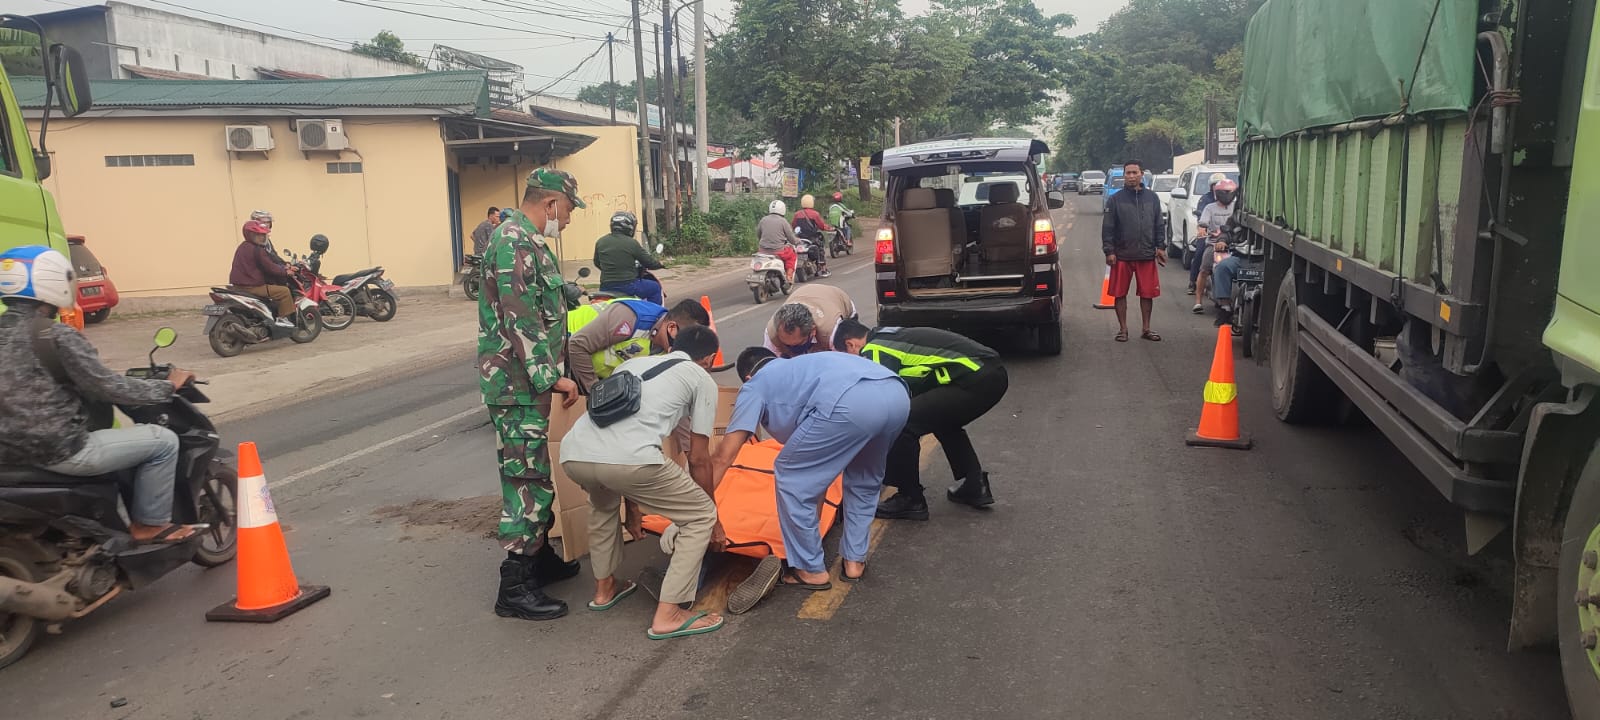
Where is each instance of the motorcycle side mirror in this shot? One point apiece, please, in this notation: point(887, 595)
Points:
point(583, 272)
point(165, 337)
point(660, 247)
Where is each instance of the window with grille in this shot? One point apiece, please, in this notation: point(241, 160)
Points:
point(344, 168)
point(149, 160)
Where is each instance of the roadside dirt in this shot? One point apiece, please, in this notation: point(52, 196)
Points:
point(478, 516)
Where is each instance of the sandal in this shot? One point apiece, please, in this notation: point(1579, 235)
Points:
point(790, 574)
point(1121, 336)
point(165, 537)
point(757, 586)
point(847, 577)
point(1151, 335)
point(615, 598)
point(686, 630)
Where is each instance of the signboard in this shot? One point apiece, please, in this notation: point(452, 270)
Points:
point(791, 182)
point(718, 151)
point(1228, 148)
point(1227, 134)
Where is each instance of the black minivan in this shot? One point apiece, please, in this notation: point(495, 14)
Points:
point(967, 240)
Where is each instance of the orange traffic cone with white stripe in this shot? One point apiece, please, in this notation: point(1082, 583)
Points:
point(705, 302)
point(1219, 419)
point(268, 590)
point(1106, 301)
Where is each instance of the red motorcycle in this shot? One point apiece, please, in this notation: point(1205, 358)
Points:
point(338, 309)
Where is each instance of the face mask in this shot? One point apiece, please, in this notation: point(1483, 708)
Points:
point(552, 227)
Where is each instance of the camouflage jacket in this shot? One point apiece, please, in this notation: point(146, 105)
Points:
point(522, 325)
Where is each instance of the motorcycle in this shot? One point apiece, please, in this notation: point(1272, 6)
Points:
point(602, 294)
point(843, 241)
point(472, 276)
point(1248, 283)
point(236, 319)
point(372, 292)
point(808, 260)
point(64, 548)
point(766, 277)
point(337, 309)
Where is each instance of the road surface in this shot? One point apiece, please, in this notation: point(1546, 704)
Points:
point(1120, 575)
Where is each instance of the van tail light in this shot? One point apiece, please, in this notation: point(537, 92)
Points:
point(885, 250)
point(1044, 237)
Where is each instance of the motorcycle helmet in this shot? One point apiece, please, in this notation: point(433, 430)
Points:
point(256, 226)
point(778, 208)
point(262, 216)
point(1216, 178)
point(319, 243)
point(807, 202)
point(1224, 191)
point(838, 197)
point(504, 214)
point(37, 273)
point(624, 222)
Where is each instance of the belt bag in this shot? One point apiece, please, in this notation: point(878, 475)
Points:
point(617, 396)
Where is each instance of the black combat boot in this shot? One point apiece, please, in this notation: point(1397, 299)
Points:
point(520, 596)
point(549, 568)
point(971, 492)
point(904, 506)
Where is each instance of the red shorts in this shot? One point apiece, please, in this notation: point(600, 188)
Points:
point(788, 257)
point(1123, 273)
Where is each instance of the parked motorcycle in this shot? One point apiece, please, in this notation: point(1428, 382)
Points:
point(236, 319)
point(338, 310)
point(843, 239)
point(472, 276)
point(373, 293)
point(64, 548)
point(766, 277)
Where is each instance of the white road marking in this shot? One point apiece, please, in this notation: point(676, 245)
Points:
point(391, 442)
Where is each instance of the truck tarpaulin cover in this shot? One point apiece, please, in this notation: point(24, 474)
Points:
point(1311, 63)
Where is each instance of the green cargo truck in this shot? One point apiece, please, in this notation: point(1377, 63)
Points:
point(1423, 177)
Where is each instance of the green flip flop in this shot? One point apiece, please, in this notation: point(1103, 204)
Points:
point(685, 630)
point(614, 598)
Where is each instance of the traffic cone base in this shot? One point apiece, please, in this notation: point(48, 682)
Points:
point(268, 590)
point(1106, 301)
point(1196, 440)
point(1219, 417)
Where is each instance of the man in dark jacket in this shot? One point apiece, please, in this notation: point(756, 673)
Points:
point(619, 257)
point(485, 229)
point(257, 271)
point(1131, 238)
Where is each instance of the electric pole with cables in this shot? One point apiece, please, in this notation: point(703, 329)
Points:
point(611, 73)
point(669, 119)
point(647, 188)
point(702, 174)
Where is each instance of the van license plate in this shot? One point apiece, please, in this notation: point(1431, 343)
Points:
point(215, 310)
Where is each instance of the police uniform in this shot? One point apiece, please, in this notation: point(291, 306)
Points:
point(953, 382)
point(604, 335)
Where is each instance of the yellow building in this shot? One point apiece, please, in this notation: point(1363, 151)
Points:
point(396, 171)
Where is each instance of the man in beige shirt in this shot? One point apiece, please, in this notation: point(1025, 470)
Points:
point(805, 324)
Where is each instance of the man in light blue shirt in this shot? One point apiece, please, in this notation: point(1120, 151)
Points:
point(835, 413)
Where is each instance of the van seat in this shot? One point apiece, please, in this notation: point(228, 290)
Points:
point(924, 232)
point(1005, 227)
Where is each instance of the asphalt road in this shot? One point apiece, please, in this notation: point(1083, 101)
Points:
point(1120, 575)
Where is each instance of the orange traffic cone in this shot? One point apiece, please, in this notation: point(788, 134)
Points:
point(268, 590)
point(1219, 419)
point(705, 302)
point(1106, 301)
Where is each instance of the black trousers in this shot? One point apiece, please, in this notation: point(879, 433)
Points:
point(944, 412)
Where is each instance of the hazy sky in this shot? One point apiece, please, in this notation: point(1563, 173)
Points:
point(512, 32)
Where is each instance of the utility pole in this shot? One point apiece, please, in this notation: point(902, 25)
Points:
point(1211, 130)
point(611, 71)
point(702, 177)
point(897, 132)
point(647, 188)
point(669, 122)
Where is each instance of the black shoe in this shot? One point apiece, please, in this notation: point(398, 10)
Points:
point(520, 596)
point(1224, 317)
point(904, 506)
point(971, 492)
point(548, 567)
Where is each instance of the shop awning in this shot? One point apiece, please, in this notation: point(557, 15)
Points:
point(490, 140)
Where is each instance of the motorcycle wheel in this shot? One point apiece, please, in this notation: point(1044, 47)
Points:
point(470, 286)
point(383, 305)
point(308, 325)
point(17, 632)
point(338, 311)
point(760, 293)
point(1247, 319)
point(833, 251)
point(849, 247)
point(227, 336)
point(217, 503)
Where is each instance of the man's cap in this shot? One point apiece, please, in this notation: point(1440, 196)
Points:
point(560, 181)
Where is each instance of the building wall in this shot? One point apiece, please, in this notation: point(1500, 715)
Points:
point(86, 33)
point(172, 230)
point(188, 44)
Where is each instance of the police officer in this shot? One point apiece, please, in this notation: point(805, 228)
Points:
point(521, 341)
point(953, 382)
point(606, 334)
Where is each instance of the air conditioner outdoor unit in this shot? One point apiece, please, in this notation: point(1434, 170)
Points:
point(322, 135)
point(247, 138)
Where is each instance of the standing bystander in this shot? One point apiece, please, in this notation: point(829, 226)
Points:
point(484, 231)
point(1131, 238)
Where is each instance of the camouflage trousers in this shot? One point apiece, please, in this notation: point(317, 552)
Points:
point(526, 491)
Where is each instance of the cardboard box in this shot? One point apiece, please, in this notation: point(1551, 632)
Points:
point(562, 418)
point(725, 398)
point(573, 524)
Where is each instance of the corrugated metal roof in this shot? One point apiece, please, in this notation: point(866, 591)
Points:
point(461, 92)
point(161, 74)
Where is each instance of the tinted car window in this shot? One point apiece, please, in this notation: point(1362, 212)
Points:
point(1164, 184)
point(84, 262)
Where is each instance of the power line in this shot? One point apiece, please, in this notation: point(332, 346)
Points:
point(252, 22)
point(568, 74)
point(464, 22)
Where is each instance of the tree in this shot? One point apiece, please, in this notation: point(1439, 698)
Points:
point(387, 46)
point(627, 93)
point(1018, 57)
point(19, 52)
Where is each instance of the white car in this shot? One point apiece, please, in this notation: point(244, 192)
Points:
point(1162, 186)
point(1184, 207)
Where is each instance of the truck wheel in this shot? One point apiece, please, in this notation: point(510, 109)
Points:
point(1301, 393)
point(1578, 593)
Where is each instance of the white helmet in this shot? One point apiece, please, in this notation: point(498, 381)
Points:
point(38, 273)
point(1217, 177)
point(778, 208)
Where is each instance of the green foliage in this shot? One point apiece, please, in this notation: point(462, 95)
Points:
point(387, 46)
point(19, 52)
point(627, 93)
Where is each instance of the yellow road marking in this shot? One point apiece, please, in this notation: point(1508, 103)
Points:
point(822, 605)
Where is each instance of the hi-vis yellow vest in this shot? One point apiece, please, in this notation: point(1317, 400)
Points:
point(636, 345)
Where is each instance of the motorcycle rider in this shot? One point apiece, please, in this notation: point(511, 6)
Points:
point(775, 236)
point(839, 215)
point(1200, 207)
point(1212, 259)
point(54, 384)
point(619, 257)
point(257, 271)
point(809, 224)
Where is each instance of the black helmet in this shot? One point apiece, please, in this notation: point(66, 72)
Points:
point(624, 222)
point(319, 243)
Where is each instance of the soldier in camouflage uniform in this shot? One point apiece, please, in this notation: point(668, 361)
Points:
point(521, 345)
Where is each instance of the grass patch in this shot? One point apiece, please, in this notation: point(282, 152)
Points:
point(682, 260)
